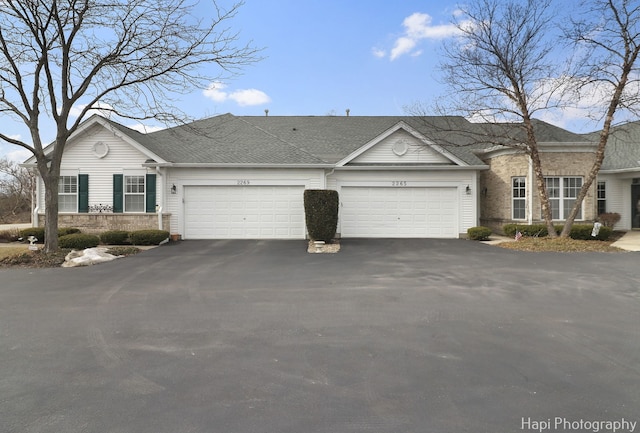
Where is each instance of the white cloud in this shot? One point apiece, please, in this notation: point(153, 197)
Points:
point(243, 97)
point(418, 27)
point(145, 129)
point(100, 109)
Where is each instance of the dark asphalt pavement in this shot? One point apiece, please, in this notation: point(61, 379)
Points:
point(259, 336)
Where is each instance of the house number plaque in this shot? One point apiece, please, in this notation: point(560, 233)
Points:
point(243, 182)
point(398, 183)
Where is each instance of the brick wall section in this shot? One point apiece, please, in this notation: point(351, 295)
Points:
point(96, 223)
point(495, 184)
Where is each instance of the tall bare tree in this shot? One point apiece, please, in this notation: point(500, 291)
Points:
point(607, 33)
point(494, 70)
point(128, 57)
point(505, 66)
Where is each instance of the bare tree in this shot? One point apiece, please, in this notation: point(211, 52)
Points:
point(130, 58)
point(503, 67)
point(607, 33)
point(495, 68)
point(16, 188)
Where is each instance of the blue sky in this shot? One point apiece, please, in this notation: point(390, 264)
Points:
point(373, 57)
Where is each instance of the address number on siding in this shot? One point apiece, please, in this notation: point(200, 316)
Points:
point(243, 182)
point(398, 183)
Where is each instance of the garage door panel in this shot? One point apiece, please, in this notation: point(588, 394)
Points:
point(244, 212)
point(398, 212)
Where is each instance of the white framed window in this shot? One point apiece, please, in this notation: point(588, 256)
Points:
point(134, 198)
point(68, 194)
point(518, 198)
point(602, 197)
point(562, 192)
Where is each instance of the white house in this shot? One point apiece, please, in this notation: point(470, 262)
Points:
point(231, 177)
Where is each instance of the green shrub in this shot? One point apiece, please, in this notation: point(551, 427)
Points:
point(67, 231)
point(583, 232)
point(78, 241)
point(148, 237)
point(321, 213)
point(37, 232)
point(535, 230)
point(115, 237)
point(478, 233)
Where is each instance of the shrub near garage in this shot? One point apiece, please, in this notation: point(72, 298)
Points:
point(478, 233)
point(321, 213)
point(115, 237)
point(148, 237)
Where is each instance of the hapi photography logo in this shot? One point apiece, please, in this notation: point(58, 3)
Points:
point(563, 424)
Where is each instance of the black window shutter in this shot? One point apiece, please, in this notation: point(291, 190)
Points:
point(118, 193)
point(150, 188)
point(83, 193)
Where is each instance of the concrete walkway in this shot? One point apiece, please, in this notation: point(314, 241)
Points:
point(630, 241)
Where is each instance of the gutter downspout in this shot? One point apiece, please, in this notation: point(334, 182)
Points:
point(530, 192)
point(36, 203)
point(162, 197)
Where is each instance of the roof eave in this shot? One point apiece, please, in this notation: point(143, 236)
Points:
point(227, 165)
point(412, 167)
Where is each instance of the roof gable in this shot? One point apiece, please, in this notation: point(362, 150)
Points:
point(401, 145)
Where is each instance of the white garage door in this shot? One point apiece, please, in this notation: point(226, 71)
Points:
point(244, 212)
point(398, 212)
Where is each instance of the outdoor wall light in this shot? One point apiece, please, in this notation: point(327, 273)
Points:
point(468, 189)
point(174, 189)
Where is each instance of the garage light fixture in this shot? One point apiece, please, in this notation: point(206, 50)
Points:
point(174, 189)
point(468, 189)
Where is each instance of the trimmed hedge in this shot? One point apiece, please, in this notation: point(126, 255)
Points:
point(539, 230)
point(38, 232)
point(578, 231)
point(321, 213)
point(115, 237)
point(148, 237)
point(479, 233)
point(78, 241)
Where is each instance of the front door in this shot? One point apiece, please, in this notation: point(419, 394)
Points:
point(635, 206)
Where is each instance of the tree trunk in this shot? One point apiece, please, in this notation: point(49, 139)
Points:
point(542, 192)
point(50, 180)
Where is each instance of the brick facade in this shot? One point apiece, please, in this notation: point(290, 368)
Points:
point(96, 223)
point(496, 184)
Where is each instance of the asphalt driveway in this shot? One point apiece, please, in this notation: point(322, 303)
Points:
point(385, 336)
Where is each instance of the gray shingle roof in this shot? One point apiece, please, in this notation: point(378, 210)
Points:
point(322, 140)
point(274, 140)
point(623, 147)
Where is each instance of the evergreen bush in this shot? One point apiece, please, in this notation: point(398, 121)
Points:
point(321, 213)
point(148, 237)
point(114, 237)
point(479, 233)
point(63, 231)
point(78, 241)
point(37, 232)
